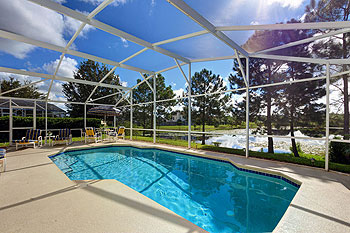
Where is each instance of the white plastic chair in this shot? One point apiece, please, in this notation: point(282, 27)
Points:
point(3, 159)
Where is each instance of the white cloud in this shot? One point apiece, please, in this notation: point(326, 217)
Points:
point(67, 67)
point(286, 3)
point(178, 107)
point(334, 97)
point(302, 18)
point(56, 89)
point(125, 42)
point(36, 22)
point(60, 1)
point(179, 92)
point(72, 26)
point(59, 98)
point(98, 2)
point(225, 80)
point(124, 83)
point(153, 4)
point(30, 20)
point(254, 23)
point(18, 77)
point(240, 12)
point(17, 49)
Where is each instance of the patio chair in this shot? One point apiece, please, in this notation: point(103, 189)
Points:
point(64, 135)
point(3, 159)
point(116, 135)
point(121, 132)
point(33, 136)
point(92, 134)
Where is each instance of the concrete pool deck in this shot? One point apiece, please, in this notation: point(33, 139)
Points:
point(35, 196)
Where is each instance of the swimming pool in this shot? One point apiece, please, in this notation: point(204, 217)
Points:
point(214, 195)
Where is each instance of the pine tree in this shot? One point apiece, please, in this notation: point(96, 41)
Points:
point(207, 109)
point(77, 92)
point(334, 47)
point(30, 92)
point(298, 99)
point(262, 71)
point(142, 94)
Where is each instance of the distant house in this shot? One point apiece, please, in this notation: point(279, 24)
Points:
point(177, 118)
point(18, 110)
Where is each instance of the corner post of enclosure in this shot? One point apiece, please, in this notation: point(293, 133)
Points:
point(10, 122)
point(84, 115)
point(154, 108)
point(45, 122)
point(327, 115)
point(131, 114)
point(34, 115)
point(189, 106)
point(247, 109)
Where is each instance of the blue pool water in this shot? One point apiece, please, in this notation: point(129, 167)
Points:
point(212, 194)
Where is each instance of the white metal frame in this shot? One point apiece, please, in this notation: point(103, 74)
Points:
point(218, 32)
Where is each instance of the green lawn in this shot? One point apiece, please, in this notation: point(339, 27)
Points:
point(304, 159)
point(194, 128)
point(4, 144)
point(199, 127)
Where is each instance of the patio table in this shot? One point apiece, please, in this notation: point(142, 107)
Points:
point(49, 138)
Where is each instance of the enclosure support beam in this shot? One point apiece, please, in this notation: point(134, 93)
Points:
point(34, 116)
point(149, 85)
point(154, 108)
point(182, 72)
point(189, 106)
point(124, 96)
point(241, 67)
point(131, 114)
point(45, 122)
point(84, 115)
point(10, 122)
point(304, 41)
point(101, 81)
point(27, 40)
point(107, 96)
point(104, 27)
point(327, 115)
point(203, 22)
point(290, 58)
point(133, 55)
point(288, 26)
point(64, 79)
point(76, 34)
point(24, 86)
point(247, 108)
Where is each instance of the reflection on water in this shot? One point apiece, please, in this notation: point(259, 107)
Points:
point(237, 140)
point(211, 194)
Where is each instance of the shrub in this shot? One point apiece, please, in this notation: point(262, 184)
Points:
point(52, 123)
point(298, 145)
point(339, 152)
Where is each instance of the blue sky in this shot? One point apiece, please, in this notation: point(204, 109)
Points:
point(151, 20)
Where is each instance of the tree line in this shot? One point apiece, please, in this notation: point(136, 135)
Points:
point(293, 105)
